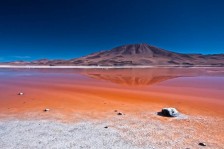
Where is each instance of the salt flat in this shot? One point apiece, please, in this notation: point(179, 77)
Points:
point(122, 132)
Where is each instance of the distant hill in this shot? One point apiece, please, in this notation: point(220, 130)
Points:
point(133, 55)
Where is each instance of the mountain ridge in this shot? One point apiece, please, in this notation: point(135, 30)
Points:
point(132, 55)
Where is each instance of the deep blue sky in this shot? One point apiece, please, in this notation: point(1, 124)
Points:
point(33, 29)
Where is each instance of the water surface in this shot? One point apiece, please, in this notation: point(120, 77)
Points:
point(96, 92)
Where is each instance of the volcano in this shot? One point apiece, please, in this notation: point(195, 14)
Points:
point(135, 55)
point(144, 54)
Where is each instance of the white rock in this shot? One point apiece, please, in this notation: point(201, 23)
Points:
point(21, 93)
point(202, 144)
point(170, 112)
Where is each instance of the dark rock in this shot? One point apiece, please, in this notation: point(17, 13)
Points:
point(119, 113)
point(115, 110)
point(106, 127)
point(202, 144)
point(169, 112)
point(46, 110)
point(20, 93)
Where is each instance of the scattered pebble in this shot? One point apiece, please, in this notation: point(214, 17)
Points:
point(115, 110)
point(202, 144)
point(46, 110)
point(20, 94)
point(106, 127)
point(119, 113)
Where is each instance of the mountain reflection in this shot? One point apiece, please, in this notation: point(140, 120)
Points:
point(135, 77)
point(144, 77)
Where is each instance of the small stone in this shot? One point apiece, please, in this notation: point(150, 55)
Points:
point(169, 112)
point(106, 127)
point(202, 144)
point(20, 94)
point(46, 110)
point(119, 113)
point(115, 110)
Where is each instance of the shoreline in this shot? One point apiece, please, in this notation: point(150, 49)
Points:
point(125, 131)
point(110, 67)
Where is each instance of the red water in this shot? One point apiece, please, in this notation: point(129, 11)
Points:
point(97, 91)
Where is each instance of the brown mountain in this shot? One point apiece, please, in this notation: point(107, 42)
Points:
point(144, 54)
point(137, 54)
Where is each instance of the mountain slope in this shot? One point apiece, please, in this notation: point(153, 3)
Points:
point(132, 55)
point(144, 54)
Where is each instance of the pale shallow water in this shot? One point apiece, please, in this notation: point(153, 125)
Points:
point(88, 98)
